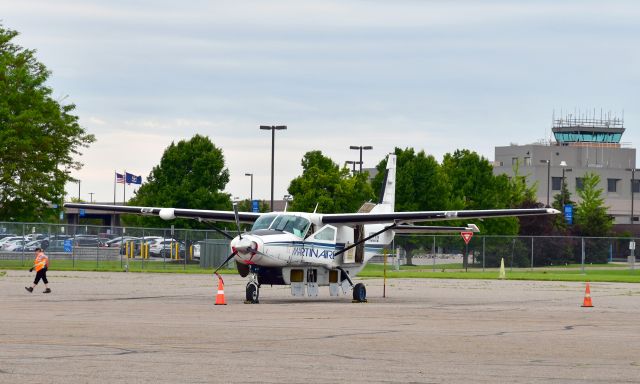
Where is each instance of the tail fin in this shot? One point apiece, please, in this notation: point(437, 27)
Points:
point(388, 191)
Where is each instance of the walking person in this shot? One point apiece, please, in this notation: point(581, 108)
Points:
point(40, 264)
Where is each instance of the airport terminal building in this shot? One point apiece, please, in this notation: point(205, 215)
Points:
point(582, 144)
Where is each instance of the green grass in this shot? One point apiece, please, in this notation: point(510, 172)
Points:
point(599, 273)
point(2, 273)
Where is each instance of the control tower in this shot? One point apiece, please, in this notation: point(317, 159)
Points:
point(586, 130)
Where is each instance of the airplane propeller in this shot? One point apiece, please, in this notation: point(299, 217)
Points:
point(235, 251)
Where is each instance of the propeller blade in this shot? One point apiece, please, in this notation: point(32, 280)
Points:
point(225, 262)
point(235, 212)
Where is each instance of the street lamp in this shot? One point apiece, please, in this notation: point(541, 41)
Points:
point(273, 129)
point(353, 163)
point(91, 197)
point(563, 164)
point(360, 148)
point(250, 174)
point(633, 181)
point(548, 162)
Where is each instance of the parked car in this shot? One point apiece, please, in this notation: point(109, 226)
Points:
point(13, 246)
point(36, 236)
point(7, 241)
point(56, 246)
point(87, 241)
point(3, 235)
point(162, 247)
point(117, 241)
point(29, 246)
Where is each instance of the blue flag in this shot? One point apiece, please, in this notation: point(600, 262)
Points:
point(133, 179)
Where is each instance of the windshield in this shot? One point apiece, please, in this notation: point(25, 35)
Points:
point(292, 224)
point(263, 222)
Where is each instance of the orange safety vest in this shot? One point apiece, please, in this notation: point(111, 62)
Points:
point(41, 261)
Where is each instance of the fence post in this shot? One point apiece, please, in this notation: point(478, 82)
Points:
point(532, 253)
point(22, 254)
point(513, 250)
point(483, 248)
point(582, 268)
point(433, 251)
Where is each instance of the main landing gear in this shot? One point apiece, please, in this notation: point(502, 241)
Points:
point(359, 293)
point(253, 289)
point(359, 290)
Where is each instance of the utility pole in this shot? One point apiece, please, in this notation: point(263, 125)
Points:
point(273, 129)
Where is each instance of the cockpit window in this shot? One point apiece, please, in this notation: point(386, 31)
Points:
point(263, 222)
point(293, 224)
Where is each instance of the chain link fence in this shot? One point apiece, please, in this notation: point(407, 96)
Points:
point(88, 247)
point(516, 251)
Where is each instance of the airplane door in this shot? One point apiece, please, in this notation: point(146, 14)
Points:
point(323, 240)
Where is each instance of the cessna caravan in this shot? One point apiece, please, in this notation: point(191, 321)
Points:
point(309, 250)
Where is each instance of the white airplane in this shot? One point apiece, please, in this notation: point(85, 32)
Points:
point(308, 250)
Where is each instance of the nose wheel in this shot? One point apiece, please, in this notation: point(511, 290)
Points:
point(252, 294)
point(253, 288)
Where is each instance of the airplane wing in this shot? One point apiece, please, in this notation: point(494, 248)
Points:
point(421, 216)
point(170, 213)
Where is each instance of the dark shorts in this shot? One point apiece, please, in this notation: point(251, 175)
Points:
point(41, 274)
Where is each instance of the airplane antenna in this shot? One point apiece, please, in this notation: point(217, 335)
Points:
point(237, 217)
point(316, 208)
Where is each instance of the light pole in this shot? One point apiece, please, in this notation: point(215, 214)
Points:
point(273, 129)
point(78, 190)
point(563, 164)
point(548, 177)
point(633, 181)
point(354, 165)
point(91, 197)
point(360, 148)
point(250, 174)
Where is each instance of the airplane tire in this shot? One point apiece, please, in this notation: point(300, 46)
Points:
point(359, 293)
point(252, 293)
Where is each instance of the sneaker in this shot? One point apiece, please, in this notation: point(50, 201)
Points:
point(29, 289)
point(46, 291)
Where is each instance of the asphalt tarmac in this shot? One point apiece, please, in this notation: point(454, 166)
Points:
point(163, 328)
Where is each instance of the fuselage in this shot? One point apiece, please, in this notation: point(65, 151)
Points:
point(300, 240)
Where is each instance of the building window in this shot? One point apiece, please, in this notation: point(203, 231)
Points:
point(556, 183)
point(635, 186)
point(514, 161)
point(527, 161)
point(579, 184)
point(612, 185)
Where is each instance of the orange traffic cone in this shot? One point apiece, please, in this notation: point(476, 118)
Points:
point(220, 295)
point(587, 297)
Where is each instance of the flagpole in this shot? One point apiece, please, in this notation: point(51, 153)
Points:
point(115, 179)
point(124, 188)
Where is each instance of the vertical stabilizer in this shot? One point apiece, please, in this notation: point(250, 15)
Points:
point(388, 191)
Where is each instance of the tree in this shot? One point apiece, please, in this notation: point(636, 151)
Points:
point(420, 186)
point(39, 137)
point(591, 219)
point(332, 188)
point(420, 182)
point(475, 187)
point(591, 215)
point(191, 174)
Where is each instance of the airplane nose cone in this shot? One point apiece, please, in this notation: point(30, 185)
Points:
point(246, 245)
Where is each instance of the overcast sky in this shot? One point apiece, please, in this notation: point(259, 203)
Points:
point(433, 75)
